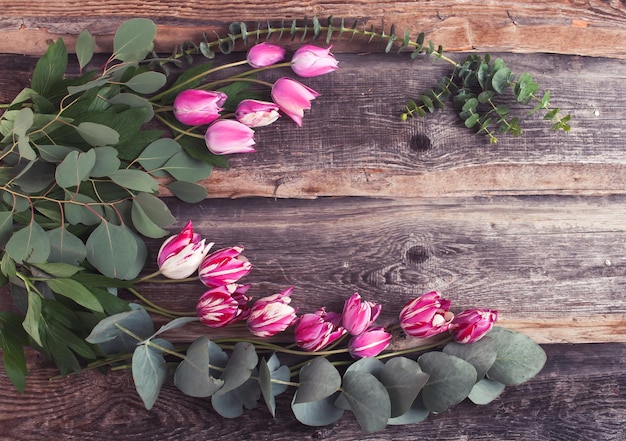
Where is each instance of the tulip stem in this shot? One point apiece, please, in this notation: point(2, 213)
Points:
point(158, 309)
point(415, 349)
point(177, 129)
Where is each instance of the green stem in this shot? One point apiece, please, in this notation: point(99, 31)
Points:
point(412, 350)
point(177, 129)
point(158, 309)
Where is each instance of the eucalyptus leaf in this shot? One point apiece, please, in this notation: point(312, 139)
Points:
point(6, 227)
point(149, 371)
point(317, 413)
point(481, 354)
point(33, 317)
point(231, 404)
point(23, 121)
point(176, 323)
point(451, 380)
point(134, 40)
point(485, 391)
point(239, 367)
point(85, 46)
point(106, 162)
point(135, 180)
point(29, 244)
point(54, 153)
point(113, 250)
point(112, 340)
point(133, 100)
point(268, 371)
point(75, 168)
point(76, 291)
point(192, 375)
point(97, 135)
point(38, 177)
point(147, 82)
point(77, 212)
point(144, 225)
point(189, 192)
point(58, 269)
point(519, 358)
point(157, 153)
point(416, 414)
point(403, 380)
point(368, 399)
point(318, 380)
point(155, 209)
point(185, 168)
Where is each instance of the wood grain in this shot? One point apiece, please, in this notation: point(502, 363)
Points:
point(578, 396)
point(594, 28)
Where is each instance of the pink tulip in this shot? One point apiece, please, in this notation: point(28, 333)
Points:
point(265, 54)
point(226, 136)
point(426, 316)
point(314, 332)
point(370, 343)
point(271, 315)
point(197, 107)
point(293, 98)
point(254, 113)
point(358, 315)
point(224, 267)
point(181, 254)
point(311, 61)
point(219, 306)
point(472, 325)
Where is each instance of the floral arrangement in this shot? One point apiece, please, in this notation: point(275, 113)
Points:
point(79, 174)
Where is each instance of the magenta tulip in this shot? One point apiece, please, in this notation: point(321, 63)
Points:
point(181, 254)
point(314, 332)
point(271, 315)
point(254, 113)
point(226, 136)
point(219, 306)
point(224, 267)
point(358, 315)
point(265, 54)
point(311, 61)
point(426, 316)
point(198, 107)
point(293, 98)
point(472, 325)
point(370, 343)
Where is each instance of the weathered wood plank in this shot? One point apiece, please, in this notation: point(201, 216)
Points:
point(578, 396)
point(596, 28)
point(370, 152)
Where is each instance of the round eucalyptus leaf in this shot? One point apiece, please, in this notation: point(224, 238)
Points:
point(145, 225)
point(192, 375)
point(232, 403)
point(157, 153)
point(185, 168)
point(451, 380)
point(29, 244)
point(97, 135)
point(318, 380)
point(37, 178)
point(368, 399)
point(268, 371)
point(23, 121)
point(77, 212)
point(317, 413)
point(75, 168)
point(519, 357)
point(55, 153)
point(416, 414)
point(403, 379)
point(6, 227)
point(135, 180)
point(149, 371)
point(371, 365)
point(134, 100)
point(155, 209)
point(485, 391)
point(112, 340)
point(147, 82)
point(239, 367)
point(134, 39)
point(481, 354)
point(113, 250)
point(106, 163)
point(189, 192)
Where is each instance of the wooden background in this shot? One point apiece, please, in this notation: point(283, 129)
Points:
point(357, 200)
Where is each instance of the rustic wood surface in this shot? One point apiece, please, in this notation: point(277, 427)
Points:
point(357, 200)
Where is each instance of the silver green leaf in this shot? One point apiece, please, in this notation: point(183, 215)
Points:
point(368, 399)
point(135, 180)
point(192, 375)
point(485, 391)
point(318, 380)
point(481, 354)
point(134, 40)
point(97, 135)
point(519, 357)
point(65, 247)
point(189, 192)
point(317, 413)
point(29, 244)
point(147, 82)
point(106, 163)
point(239, 367)
point(85, 46)
point(75, 168)
point(149, 370)
point(113, 250)
point(112, 340)
point(403, 380)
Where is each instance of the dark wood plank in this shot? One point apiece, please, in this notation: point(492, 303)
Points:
point(595, 28)
point(578, 396)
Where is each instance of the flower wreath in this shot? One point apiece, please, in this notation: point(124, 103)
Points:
point(79, 175)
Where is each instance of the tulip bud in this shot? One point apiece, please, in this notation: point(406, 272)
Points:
point(197, 107)
point(293, 98)
point(314, 332)
point(311, 61)
point(370, 343)
point(426, 316)
point(265, 54)
point(181, 254)
point(271, 315)
point(472, 325)
point(224, 267)
point(359, 315)
point(254, 113)
point(226, 136)
point(219, 306)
